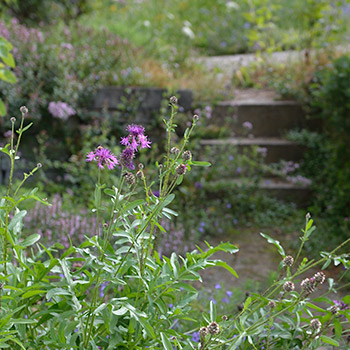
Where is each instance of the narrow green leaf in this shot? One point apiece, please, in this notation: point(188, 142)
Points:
point(166, 342)
point(329, 340)
point(212, 311)
point(2, 108)
point(30, 240)
point(197, 163)
point(32, 293)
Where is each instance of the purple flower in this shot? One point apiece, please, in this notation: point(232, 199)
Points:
point(217, 286)
point(229, 293)
point(61, 110)
point(103, 156)
point(239, 170)
point(198, 185)
point(195, 337)
point(136, 138)
point(126, 158)
point(225, 300)
point(247, 125)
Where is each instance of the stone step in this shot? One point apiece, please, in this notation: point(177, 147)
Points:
point(268, 118)
point(276, 148)
point(288, 191)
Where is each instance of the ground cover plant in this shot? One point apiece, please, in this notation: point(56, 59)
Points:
point(115, 291)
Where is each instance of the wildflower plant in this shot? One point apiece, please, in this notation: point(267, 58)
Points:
point(113, 290)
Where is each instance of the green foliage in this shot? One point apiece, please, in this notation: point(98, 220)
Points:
point(115, 291)
point(36, 11)
point(5, 74)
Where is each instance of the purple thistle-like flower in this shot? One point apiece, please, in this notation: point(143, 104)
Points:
point(103, 156)
point(126, 158)
point(136, 138)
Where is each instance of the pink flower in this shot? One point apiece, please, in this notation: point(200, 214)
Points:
point(136, 138)
point(61, 110)
point(103, 156)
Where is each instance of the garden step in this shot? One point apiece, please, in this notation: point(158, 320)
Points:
point(277, 149)
point(139, 103)
point(268, 118)
point(298, 193)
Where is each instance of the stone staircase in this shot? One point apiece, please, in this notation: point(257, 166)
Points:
point(268, 121)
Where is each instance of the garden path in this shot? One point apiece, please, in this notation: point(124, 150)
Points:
point(228, 64)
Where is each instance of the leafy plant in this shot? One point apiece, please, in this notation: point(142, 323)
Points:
point(5, 74)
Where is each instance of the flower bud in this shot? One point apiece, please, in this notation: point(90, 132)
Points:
point(140, 175)
point(187, 155)
point(288, 286)
point(203, 332)
point(272, 304)
point(13, 120)
point(196, 117)
point(288, 261)
point(315, 324)
point(181, 169)
point(320, 277)
point(24, 110)
point(213, 328)
point(175, 150)
point(129, 178)
point(173, 100)
point(308, 285)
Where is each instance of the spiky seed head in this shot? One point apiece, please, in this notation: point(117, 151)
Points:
point(224, 318)
point(39, 165)
point(308, 216)
point(141, 166)
point(196, 117)
point(308, 285)
point(173, 100)
point(174, 150)
point(129, 178)
point(203, 332)
point(13, 120)
point(334, 309)
point(288, 286)
point(24, 110)
point(213, 328)
point(181, 169)
point(315, 324)
point(187, 155)
point(320, 277)
point(105, 225)
point(288, 261)
point(272, 304)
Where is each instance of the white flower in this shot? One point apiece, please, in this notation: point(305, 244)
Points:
point(231, 5)
point(188, 31)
